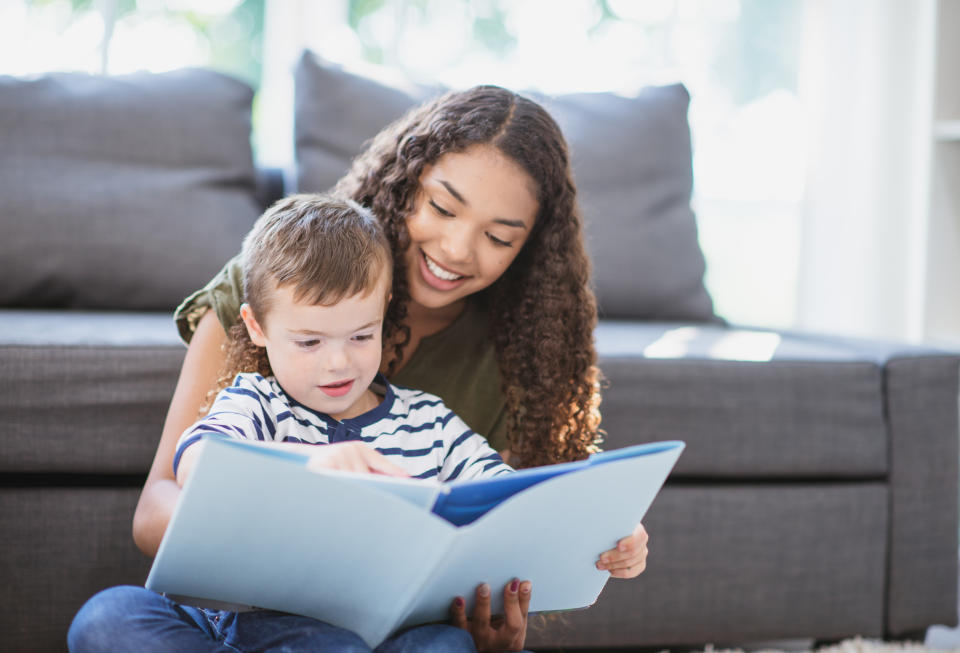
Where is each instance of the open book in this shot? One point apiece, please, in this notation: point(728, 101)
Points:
point(374, 554)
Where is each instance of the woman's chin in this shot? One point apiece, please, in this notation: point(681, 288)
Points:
point(432, 299)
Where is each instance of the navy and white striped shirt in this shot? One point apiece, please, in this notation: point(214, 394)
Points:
point(414, 429)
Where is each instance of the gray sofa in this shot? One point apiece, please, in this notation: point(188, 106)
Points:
point(817, 496)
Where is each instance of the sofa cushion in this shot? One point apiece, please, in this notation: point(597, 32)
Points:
point(631, 160)
point(749, 404)
point(84, 392)
point(632, 163)
point(757, 404)
point(121, 192)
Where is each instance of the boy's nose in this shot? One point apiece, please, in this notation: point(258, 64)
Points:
point(336, 358)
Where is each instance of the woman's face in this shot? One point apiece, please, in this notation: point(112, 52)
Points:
point(473, 213)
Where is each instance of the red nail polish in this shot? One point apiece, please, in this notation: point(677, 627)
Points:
point(514, 585)
point(459, 602)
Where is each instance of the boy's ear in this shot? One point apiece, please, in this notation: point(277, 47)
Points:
point(254, 330)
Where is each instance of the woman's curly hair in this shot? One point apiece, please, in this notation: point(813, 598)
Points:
point(542, 309)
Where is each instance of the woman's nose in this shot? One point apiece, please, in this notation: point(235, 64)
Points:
point(456, 243)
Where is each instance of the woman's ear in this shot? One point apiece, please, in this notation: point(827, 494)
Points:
point(254, 330)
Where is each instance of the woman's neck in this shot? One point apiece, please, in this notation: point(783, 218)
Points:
point(424, 321)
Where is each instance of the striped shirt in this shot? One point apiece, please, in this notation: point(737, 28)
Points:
point(410, 427)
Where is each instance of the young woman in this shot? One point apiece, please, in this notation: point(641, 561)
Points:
point(491, 307)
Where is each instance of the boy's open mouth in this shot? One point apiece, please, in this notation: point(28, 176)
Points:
point(337, 389)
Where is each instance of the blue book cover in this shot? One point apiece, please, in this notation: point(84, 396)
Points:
point(374, 554)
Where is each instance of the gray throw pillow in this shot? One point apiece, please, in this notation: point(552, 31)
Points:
point(632, 165)
point(122, 192)
point(631, 160)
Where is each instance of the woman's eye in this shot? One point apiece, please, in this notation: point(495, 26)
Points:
point(364, 337)
point(439, 209)
point(498, 242)
point(307, 344)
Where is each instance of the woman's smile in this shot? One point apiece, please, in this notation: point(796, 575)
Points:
point(438, 276)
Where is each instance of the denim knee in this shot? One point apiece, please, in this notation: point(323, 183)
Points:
point(439, 638)
point(449, 638)
point(95, 626)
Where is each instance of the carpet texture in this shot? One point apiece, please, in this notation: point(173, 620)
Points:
point(855, 645)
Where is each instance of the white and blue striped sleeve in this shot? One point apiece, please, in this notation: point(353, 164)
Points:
point(468, 455)
point(241, 411)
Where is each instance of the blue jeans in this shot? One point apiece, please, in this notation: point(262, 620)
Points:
point(136, 619)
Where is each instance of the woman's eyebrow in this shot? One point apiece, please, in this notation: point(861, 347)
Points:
point(453, 191)
point(511, 223)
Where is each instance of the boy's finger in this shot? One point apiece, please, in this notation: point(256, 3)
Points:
point(379, 464)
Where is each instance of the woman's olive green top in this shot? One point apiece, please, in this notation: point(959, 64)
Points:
point(457, 364)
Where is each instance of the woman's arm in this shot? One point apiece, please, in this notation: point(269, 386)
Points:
point(198, 376)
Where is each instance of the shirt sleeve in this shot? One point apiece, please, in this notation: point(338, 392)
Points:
point(240, 412)
point(223, 294)
point(468, 454)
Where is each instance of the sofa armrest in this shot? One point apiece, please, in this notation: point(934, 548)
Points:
point(922, 421)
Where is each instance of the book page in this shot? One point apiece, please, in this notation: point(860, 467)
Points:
point(552, 534)
point(263, 530)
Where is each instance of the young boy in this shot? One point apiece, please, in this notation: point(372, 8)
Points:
point(317, 278)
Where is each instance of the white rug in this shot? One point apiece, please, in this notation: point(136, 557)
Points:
point(855, 645)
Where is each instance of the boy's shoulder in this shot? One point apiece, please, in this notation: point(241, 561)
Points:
point(417, 400)
point(254, 385)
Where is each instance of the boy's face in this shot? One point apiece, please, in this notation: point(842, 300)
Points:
point(324, 357)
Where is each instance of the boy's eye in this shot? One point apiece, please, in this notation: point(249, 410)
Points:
point(439, 209)
point(497, 241)
point(306, 344)
point(364, 337)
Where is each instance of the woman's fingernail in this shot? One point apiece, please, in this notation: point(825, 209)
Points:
point(458, 601)
point(484, 590)
point(525, 587)
point(514, 585)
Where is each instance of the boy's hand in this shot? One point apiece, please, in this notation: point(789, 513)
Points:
point(352, 457)
point(629, 559)
point(506, 633)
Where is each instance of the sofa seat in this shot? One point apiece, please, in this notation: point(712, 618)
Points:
point(751, 404)
point(755, 404)
point(85, 391)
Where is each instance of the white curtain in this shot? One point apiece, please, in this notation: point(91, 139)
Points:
point(866, 78)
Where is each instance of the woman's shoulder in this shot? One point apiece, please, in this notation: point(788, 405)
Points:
point(222, 294)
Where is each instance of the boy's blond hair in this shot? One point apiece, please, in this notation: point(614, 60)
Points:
point(326, 247)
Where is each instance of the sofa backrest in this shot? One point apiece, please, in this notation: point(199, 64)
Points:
point(631, 161)
point(122, 192)
point(129, 192)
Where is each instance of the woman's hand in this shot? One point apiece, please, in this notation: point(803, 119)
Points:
point(629, 559)
point(506, 633)
point(352, 457)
